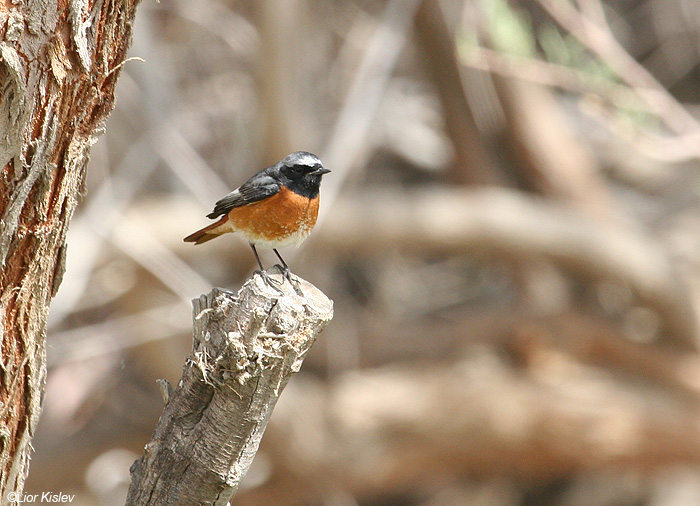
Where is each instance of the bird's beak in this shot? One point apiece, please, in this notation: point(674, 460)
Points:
point(320, 172)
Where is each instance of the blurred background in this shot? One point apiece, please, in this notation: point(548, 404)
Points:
point(510, 234)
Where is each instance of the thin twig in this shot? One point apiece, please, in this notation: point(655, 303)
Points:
point(600, 40)
point(664, 148)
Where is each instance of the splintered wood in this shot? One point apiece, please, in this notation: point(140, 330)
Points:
point(246, 348)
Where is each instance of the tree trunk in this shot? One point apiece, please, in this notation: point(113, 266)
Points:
point(59, 63)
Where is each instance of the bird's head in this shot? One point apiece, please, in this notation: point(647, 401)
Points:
point(302, 164)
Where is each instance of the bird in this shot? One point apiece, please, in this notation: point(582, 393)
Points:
point(275, 208)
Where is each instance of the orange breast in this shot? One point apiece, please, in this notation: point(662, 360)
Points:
point(284, 218)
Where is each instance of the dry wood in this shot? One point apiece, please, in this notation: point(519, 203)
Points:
point(59, 63)
point(246, 348)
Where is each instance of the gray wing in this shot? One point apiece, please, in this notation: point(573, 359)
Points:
point(258, 187)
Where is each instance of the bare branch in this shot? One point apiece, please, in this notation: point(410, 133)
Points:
point(600, 40)
point(507, 224)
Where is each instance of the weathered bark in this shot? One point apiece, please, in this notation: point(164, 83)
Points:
point(59, 62)
point(246, 348)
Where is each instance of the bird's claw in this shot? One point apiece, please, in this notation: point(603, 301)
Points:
point(270, 282)
point(284, 270)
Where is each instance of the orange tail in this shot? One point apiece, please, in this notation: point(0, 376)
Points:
point(207, 233)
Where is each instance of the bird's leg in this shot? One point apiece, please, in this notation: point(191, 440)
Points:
point(262, 272)
point(255, 252)
point(284, 266)
point(287, 273)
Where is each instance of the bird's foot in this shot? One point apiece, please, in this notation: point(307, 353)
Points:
point(284, 270)
point(270, 282)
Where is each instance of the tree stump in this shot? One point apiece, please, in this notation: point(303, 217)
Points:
point(247, 345)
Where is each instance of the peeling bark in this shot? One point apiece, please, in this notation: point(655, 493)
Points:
point(59, 62)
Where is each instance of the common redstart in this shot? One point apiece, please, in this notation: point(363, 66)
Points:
point(277, 207)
